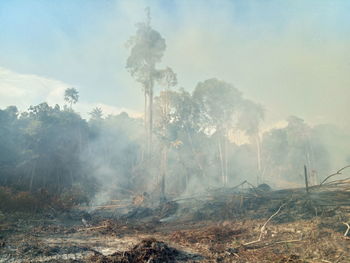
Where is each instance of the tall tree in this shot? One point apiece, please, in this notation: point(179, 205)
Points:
point(299, 135)
point(168, 79)
point(183, 135)
point(147, 48)
point(219, 103)
point(251, 116)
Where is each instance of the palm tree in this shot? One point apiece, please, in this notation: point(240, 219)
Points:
point(96, 113)
point(71, 96)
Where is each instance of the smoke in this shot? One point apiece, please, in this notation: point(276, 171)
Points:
point(112, 155)
point(290, 56)
point(296, 65)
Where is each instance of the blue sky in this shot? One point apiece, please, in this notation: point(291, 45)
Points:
point(291, 56)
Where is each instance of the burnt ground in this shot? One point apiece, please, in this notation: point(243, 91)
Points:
point(220, 227)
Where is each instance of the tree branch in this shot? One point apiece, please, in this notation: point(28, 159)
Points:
point(347, 230)
point(264, 226)
point(336, 173)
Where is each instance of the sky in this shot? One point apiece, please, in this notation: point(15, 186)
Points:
point(291, 56)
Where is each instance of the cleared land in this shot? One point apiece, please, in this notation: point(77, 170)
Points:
point(222, 225)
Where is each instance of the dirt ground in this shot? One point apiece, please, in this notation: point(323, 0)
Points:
point(214, 232)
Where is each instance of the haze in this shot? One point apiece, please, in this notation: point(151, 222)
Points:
point(290, 56)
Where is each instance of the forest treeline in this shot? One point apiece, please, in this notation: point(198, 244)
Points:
point(55, 149)
point(186, 142)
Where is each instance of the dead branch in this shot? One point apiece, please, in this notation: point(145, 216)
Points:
point(264, 226)
point(267, 244)
point(339, 258)
point(347, 230)
point(92, 228)
point(288, 241)
point(334, 174)
point(246, 182)
point(268, 220)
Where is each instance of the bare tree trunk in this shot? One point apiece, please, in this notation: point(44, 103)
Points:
point(164, 158)
point(145, 145)
point(226, 160)
point(193, 150)
point(258, 152)
point(221, 162)
point(163, 173)
point(145, 108)
point(185, 177)
point(32, 176)
point(150, 119)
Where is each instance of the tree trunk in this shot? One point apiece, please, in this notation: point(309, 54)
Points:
point(226, 159)
point(145, 108)
point(150, 119)
point(32, 176)
point(221, 157)
point(145, 145)
point(194, 151)
point(163, 173)
point(258, 152)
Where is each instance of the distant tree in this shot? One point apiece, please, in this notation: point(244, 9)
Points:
point(299, 135)
point(12, 112)
point(167, 77)
point(96, 113)
point(286, 150)
point(53, 143)
point(184, 136)
point(10, 138)
point(275, 150)
point(219, 103)
point(250, 117)
point(71, 96)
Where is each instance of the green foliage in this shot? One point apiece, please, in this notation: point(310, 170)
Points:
point(56, 150)
point(287, 150)
point(45, 146)
point(147, 48)
point(219, 101)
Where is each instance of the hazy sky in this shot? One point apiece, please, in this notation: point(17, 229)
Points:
point(291, 56)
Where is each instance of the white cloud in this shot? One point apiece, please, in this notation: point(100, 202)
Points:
point(23, 90)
